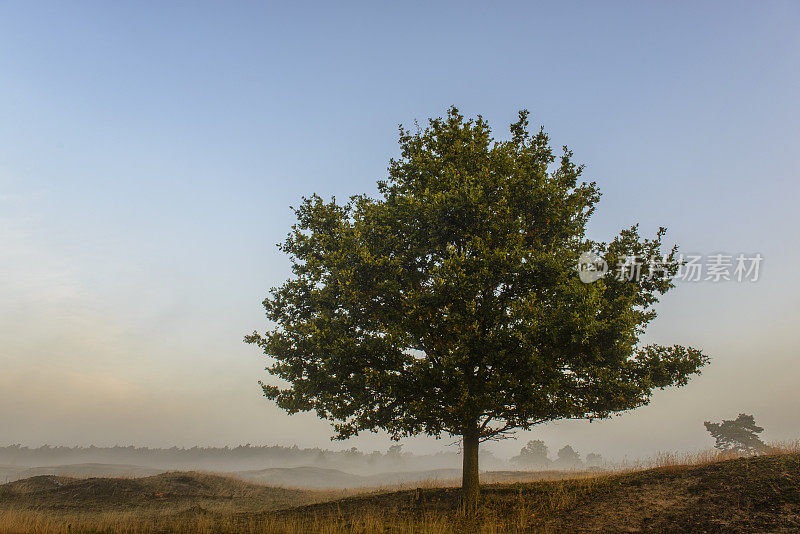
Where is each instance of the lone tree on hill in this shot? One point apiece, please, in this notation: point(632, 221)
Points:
point(450, 304)
point(739, 435)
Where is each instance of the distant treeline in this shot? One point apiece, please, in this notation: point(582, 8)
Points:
point(242, 457)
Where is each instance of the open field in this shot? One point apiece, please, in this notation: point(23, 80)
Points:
point(760, 494)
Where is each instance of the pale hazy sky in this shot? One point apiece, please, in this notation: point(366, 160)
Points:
point(149, 153)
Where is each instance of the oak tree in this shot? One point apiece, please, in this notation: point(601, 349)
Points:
point(449, 304)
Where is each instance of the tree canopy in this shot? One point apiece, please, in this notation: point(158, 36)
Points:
point(533, 454)
point(739, 435)
point(450, 303)
point(568, 457)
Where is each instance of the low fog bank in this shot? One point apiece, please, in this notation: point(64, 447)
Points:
point(241, 458)
point(273, 465)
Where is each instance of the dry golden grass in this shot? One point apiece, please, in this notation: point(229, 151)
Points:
point(705, 457)
point(432, 506)
point(40, 522)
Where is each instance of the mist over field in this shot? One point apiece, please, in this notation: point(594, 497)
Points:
point(227, 459)
point(131, 271)
point(152, 158)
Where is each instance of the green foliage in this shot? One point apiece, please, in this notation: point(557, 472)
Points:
point(739, 435)
point(451, 304)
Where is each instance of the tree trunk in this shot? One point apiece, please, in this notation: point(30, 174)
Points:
point(469, 476)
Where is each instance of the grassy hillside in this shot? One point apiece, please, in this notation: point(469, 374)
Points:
point(742, 495)
point(48, 503)
point(84, 470)
point(164, 490)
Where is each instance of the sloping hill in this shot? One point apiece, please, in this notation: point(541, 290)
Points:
point(166, 490)
point(80, 471)
point(743, 495)
point(10, 472)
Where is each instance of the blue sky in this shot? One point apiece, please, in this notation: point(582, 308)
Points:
point(149, 153)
